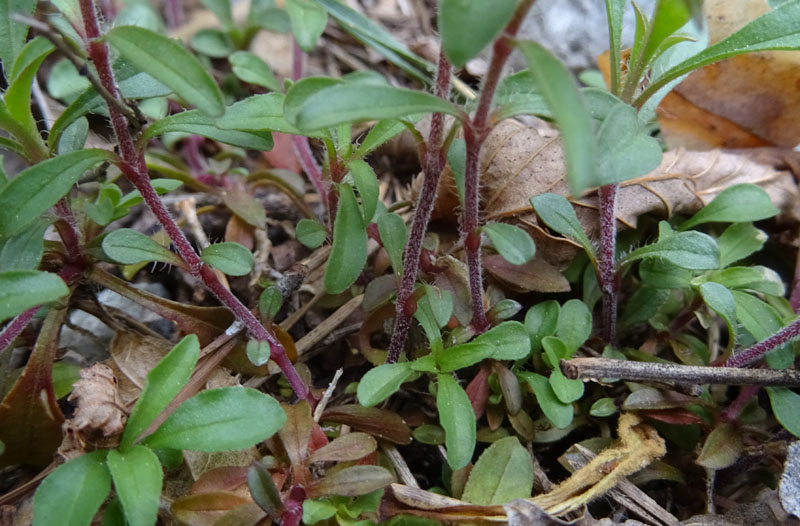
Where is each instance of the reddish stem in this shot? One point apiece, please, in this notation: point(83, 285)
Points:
point(735, 408)
point(17, 325)
point(67, 231)
point(795, 298)
point(761, 348)
point(606, 265)
point(432, 168)
point(134, 167)
point(475, 134)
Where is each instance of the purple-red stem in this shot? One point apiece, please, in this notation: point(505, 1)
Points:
point(475, 134)
point(67, 231)
point(134, 167)
point(433, 165)
point(606, 264)
point(17, 325)
point(754, 352)
point(174, 13)
point(300, 143)
point(735, 408)
point(795, 298)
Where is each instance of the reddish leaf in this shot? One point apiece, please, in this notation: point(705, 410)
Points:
point(351, 482)
point(377, 422)
point(227, 478)
point(282, 154)
point(351, 446)
point(478, 390)
point(206, 508)
point(30, 420)
point(674, 416)
point(296, 432)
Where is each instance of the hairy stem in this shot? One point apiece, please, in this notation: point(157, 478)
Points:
point(134, 167)
point(17, 325)
point(756, 351)
point(433, 165)
point(475, 134)
point(606, 264)
point(795, 297)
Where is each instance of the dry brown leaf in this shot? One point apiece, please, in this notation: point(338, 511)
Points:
point(99, 416)
point(739, 101)
point(521, 161)
point(136, 354)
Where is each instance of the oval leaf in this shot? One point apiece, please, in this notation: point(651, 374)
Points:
point(722, 447)
point(504, 472)
point(351, 482)
point(468, 26)
point(130, 247)
point(556, 411)
point(231, 258)
point(137, 479)
point(349, 251)
point(380, 383)
point(169, 63)
point(509, 341)
point(198, 123)
point(249, 67)
point(689, 250)
point(457, 419)
point(39, 187)
point(513, 243)
point(258, 352)
point(349, 447)
point(786, 407)
point(558, 214)
point(22, 289)
point(73, 493)
point(220, 420)
point(367, 184)
point(736, 204)
point(308, 21)
point(393, 233)
point(311, 233)
point(164, 382)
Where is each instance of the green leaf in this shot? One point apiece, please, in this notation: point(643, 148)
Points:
point(512, 242)
point(222, 10)
point(509, 341)
point(603, 407)
point(18, 95)
point(461, 356)
point(615, 10)
point(351, 103)
point(248, 67)
point(301, 91)
point(720, 300)
point(308, 21)
point(467, 27)
point(164, 382)
point(258, 113)
point(22, 289)
point(74, 137)
point(773, 30)
point(24, 250)
point(392, 230)
point(558, 214)
point(12, 33)
point(311, 233)
point(270, 301)
point(73, 492)
point(565, 389)
point(761, 320)
point(738, 241)
point(689, 250)
point(39, 187)
point(137, 479)
point(722, 447)
point(383, 131)
point(559, 89)
point(556, 411)
point(231, 258)
point(169, 63)
point(220, 420)
point(258, 352)
point(381, 382)
point(349, 251)
point(212, 43)
point(624, 146)
point(458, 421)
point(130, 247)
point(757, 278)
point(434, 309)
point(736, 204)
point(555, 350)
point(574, 325)
point(263, 490)
point(540, 322)
point(669, 16)
point(786, 407)
point(643, 304)
point(198, 123)
point(351, 482)
point(367, 185)
point(662, 274)
point(503, 472)
point(315, 511)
